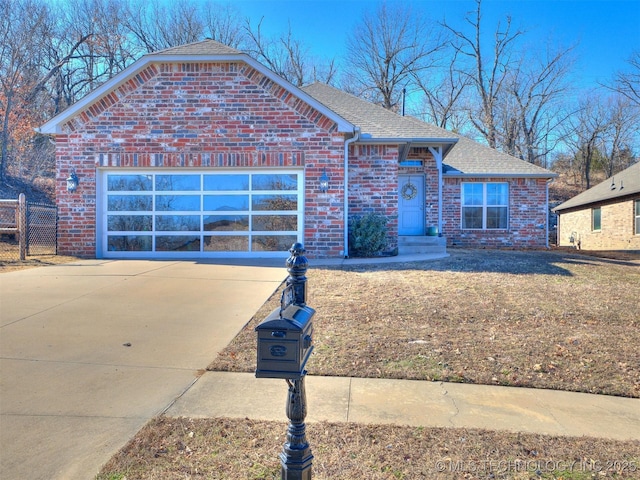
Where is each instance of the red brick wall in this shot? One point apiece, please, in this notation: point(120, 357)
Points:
point(373, 185)
point(617, 230)
point(527, 213)
point(203, 115)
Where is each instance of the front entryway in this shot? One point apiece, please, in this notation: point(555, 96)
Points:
point(411, 219)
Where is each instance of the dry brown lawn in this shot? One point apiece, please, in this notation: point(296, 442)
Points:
point(557, 320)
point(560, 320)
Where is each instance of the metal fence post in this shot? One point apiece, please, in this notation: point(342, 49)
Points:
point(22, 225)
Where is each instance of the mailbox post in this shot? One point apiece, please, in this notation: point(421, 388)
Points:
point(285, 342)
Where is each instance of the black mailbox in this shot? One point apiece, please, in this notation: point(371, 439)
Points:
point(285, 342)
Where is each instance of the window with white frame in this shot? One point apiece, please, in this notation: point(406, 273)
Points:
point(637, 216)
point(485, 206)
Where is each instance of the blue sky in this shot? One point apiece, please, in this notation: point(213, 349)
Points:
point(606, 31)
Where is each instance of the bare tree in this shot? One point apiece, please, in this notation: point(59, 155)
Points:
point(224, 24)
point(486, 76)
point(288, 57)
point(628, 83)
point(386, 49)
point(623, 126)
point(537, 84)
point(584, 134)
point(443, 95)
point(27, 33)
point(158, 25)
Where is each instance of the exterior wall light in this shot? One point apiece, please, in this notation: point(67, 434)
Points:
point(72, 182)
point(324, 181)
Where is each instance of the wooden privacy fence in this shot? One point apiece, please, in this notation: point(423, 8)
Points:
point(27, 228)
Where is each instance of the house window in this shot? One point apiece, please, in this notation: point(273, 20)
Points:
point(485, 206)
point(596, 219)
point(637, 216)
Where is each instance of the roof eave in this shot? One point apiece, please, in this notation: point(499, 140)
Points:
point(588, 203)
point(53, 126)
point(414, 141)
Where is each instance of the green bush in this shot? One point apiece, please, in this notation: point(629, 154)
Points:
point(367, 235)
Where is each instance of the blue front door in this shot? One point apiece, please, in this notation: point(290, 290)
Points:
point(411, 205)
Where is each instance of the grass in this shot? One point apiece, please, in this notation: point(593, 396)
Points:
point(182, 448)
point(531, 319)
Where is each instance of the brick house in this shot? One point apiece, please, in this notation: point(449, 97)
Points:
point(605, 217)
point(201, 151)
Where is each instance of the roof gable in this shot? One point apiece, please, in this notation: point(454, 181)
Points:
point(198, 52)
point(620, 185)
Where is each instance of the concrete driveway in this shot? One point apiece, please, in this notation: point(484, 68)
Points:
point(90, 351)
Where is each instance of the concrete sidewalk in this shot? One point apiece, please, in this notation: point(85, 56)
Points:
point(415, 403)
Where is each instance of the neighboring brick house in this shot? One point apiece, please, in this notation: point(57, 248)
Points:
point(201, 151)
point(605, 217)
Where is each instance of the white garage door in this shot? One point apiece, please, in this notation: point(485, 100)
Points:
point(170, 213)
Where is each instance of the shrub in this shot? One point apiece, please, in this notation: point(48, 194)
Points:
point(367, 235)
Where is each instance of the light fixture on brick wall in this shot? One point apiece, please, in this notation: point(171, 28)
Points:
point(324, 181)
point(72, 182)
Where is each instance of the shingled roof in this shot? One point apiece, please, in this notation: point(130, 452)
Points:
point(622, 184)
point(204, 47)
point(465, 157)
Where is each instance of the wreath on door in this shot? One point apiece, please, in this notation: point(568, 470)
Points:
point(409, 191)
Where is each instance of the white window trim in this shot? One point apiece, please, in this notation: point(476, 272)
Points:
point(484, 206)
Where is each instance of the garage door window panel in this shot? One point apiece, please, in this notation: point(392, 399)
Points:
point(231, 243)
point(129, 183)
point(178, 203)
point(177, 183)
point(274, 223)
point(274, 202)
point(272, 243)
point(226, 223)
point(130, 243)
point(178, 243)
point(273, 181)
point(226, 182)
point(178, 223)
point(226, 203)
point(129, 223)
point(130, 203)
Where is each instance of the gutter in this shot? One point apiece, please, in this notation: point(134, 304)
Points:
point(347, 143)
point(550, 176)
point(402, 140)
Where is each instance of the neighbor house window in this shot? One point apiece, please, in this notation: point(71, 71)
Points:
point(637, 216)
point(596, 219)
point(485, 206)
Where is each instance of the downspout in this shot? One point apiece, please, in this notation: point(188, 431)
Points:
point(546, 228)
point(347, 143)
point(437, 154)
